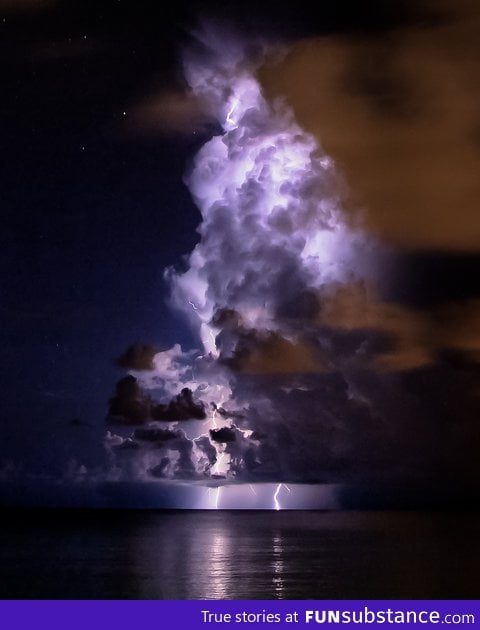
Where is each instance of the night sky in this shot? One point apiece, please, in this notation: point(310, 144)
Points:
point(98, 132)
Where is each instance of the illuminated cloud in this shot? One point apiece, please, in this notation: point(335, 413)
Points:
point(304, 371)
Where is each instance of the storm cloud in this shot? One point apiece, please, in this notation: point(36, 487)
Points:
point(129, 405)
point(308, 370)
point(138, 357)
point(398, 111)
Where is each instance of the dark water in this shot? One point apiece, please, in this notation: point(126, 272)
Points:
point(238, 555)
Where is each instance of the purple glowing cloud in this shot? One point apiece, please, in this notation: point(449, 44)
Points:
point(273, 239)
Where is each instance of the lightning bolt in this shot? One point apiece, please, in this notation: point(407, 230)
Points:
point(216, 496)
point(195, 308)
point(275, 497)
point(213, 419)
point(213, 338)
point(277, 492)
point(231, 110)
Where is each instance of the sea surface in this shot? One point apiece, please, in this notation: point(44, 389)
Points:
point(147, 554)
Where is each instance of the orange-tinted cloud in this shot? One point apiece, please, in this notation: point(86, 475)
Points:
point(270, 353)
point(417, 337)
point(400, 114)
point(138, 357)
point(170, 111)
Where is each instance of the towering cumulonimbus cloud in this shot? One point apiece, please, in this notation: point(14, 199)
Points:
point(273, 242)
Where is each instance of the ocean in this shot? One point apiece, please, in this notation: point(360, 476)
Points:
point(208, 554)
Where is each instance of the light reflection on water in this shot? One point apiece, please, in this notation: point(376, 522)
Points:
point(303, 555)
point(239, 555)
point(217, 566)
point(278, 566)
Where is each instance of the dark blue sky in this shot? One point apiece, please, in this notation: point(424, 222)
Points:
point(91, 217)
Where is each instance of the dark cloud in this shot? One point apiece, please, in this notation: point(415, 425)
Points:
point(270, 353)
point(257, 436)
point(417, 337)
point(160, 470)
point(185, 467)
point(182, 407)
point(126, 445)
point(225, 413)
point(207, 448)
point(302, 305)
point(153, 451)
point(365, 425)
point(130, 405)
point(426, 279)
point(138, 357)
point(223, 435)
point(154, 434)
point(245, 455)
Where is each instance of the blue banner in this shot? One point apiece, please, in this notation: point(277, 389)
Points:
point(203, 615)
